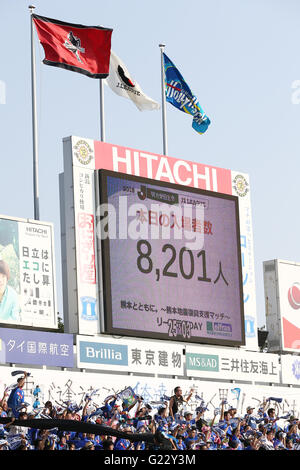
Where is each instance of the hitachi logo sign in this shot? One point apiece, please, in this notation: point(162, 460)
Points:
point(40, 231)
point(162, 168)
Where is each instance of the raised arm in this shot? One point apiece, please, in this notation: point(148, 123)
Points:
point(222, 411)
point(165, 413)
point(84, 411)
point(189, 396)
point(138, 407)
point(214, 418)
point(171, 403)
point(22, 381)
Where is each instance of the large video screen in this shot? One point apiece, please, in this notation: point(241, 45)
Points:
point(171, 261)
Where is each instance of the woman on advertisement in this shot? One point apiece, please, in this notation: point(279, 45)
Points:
point(9, 302)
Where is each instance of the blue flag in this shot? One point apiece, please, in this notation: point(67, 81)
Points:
point(179, 94)
point(128, 397)
point(236, 392)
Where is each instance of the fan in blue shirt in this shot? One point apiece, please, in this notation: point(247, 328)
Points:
point(16, 397)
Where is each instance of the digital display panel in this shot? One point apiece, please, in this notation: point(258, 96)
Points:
point(171, 261)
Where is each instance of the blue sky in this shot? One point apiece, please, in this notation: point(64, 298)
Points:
point(240, 58)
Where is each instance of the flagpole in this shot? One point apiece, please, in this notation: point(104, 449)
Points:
point(102, 121)
point(96, 179)
point(163, 98)
point(34, 122)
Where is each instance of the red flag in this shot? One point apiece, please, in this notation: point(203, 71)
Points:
point(83, 49)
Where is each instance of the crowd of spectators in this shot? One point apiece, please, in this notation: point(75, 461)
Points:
point(171, 423)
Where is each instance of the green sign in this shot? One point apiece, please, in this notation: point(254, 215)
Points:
point(205, 362)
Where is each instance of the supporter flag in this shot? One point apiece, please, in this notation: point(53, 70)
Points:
point(236, 392)
point(179, 95)
point(277, 400)
point(75, 47)
point(128, 397)
point(123, 84)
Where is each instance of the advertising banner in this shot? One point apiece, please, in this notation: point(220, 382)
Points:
point(290, 369)
point(289, 298)
point(36, 347)
point(232, 364)
point(129, 356)
point(282, 294)
point(61, 387)
point(27, 273)
point(241, 188)
point(85, 223)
